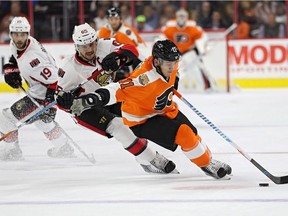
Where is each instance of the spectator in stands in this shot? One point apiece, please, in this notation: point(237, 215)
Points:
point(248, 19)
point(281, 16)
point(264, 9)
point(248, 26)
point(126, 14)
point(15, 10)
point(271, 29)
point(167, 14)
point(41, 22)
point(141, 24)
point(204, 15)
point(4, 31)
point(227, 11)
point(216, 21)
point(4, 7)
point(100, 20)
point(243, 29)
point(152, 18)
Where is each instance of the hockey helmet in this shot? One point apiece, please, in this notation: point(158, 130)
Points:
point(84, 34)
point(181, 17)
point(113, 12)
point(165, 50)
point(182, 12)
point(19, 24)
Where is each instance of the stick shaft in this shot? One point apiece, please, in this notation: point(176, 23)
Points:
point(275, 179)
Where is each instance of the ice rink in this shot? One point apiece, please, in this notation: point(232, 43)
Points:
point(256, 120)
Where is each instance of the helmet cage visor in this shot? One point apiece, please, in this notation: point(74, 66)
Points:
point(85, 47)
point(166, 63)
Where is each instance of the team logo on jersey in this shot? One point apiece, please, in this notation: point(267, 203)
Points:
point(181, 38)
point(128, 32)
point(115, 43)
point(34, 62)
point(103, 79)
point(165, 99)
point(20, 104)
point(61, 72)
point(143, 79)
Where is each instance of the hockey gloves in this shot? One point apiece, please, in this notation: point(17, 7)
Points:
point(49, 97)
point(113, 61)
point(65, 100)
point(86, 102)
point(12, 75)
point(109, 63)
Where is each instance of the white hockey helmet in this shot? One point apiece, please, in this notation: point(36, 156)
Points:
point(84, 34)
point(181, 17)
point(19, 24)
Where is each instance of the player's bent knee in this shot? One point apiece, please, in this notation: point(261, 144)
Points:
point(121, 132)
point(192, 146)
point(186, 138)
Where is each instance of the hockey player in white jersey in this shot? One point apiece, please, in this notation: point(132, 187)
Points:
point(31, 62)
point(101, 57)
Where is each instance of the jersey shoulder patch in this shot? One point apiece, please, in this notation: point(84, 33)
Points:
point(143, 79)
point(128, 32)
point(61, 72)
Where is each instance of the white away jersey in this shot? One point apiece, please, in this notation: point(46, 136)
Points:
point(74, 70)
point(36, 66)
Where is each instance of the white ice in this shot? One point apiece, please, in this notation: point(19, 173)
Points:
point(255, 120)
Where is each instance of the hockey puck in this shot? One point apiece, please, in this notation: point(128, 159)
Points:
point(264, 184)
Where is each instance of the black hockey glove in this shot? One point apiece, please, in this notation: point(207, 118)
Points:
point(110, 62)
point(49, 97)
point(86, 102)
point(65, 100)
point(12, 75)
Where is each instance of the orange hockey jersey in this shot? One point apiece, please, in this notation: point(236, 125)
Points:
point(184, 38)
point(125, 35)
point(145, 93)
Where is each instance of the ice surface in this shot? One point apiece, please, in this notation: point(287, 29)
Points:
point(256, 120)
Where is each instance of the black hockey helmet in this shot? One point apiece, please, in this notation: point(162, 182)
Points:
point(165, 50)
point(113, 12)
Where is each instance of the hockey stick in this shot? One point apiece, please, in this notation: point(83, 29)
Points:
point(29, 120)
point(91, 159)
point(275, 179)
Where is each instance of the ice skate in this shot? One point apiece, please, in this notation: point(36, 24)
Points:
point(65, 151)
point(217, 169)
point(160, 165)
point(13, 154)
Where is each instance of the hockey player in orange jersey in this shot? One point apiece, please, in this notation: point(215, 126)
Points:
point(191, 41)
point(123, 33)
point(149, 110)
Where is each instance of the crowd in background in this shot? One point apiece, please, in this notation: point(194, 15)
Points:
point(55, 20)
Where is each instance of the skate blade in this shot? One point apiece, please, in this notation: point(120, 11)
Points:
point(175, 171)
point(227, 177)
